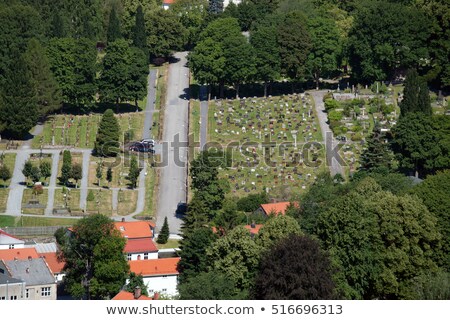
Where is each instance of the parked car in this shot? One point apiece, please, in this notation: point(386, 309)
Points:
point(141, 147)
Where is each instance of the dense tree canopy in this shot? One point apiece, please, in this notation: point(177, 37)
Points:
point(107, 142)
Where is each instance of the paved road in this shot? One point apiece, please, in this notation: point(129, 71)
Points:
point(52, 184)
point(327, 134)
point(172, 188)
point(84, 179)
point(203, 116)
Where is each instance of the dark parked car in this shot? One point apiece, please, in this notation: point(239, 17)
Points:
point(142, 147)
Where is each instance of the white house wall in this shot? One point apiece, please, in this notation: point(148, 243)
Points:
point(165, 285)
point(151, 255)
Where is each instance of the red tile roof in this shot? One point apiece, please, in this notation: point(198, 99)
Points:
point(135, 229)
point(168, 1)
point(20, 254)
point(154, 267)
point(125, 295)
point(277, 208)
point(52, 260)
point(140, 245)
point(254, 230)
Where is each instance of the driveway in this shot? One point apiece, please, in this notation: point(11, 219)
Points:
point(172, 184)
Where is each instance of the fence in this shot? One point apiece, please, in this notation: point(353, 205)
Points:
point(32, 231)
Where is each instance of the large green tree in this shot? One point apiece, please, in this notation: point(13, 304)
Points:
point(94, 264)
point(18, 105)
point(416, 96)
point(295, 269)
point(44, 86)
point(114, 33)
point(139, 35)
point(276, 229)
point(377, 153)
point(108, 135)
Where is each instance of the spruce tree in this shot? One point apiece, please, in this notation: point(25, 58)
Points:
point(163, 235)
point(18, 107)
point(44, 85)
point(133, 174)
point(109, 175)
point(139, 35)
point(99, 172)
point(107, 142)
point(66, 169)
point(113, 32)
point(423, 99)
point(377, 153)
point(27, 169)
point(57, 28)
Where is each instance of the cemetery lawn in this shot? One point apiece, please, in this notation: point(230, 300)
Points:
point(9, 160)
point(29, 196)
point(13, 221)
point(194, 121)
point(288, 162)
point(102, 202)
point(77, 157)
point(151, 197)
point(36, 160)
point(4, 192)
point(127, 202)
point(73, 200)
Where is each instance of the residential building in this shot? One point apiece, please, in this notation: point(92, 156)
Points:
point(274, 208)
point(18, 254)
point(160, 275)
point(135, 229)
point(139, 235)
point(39, 280)
point(8, 241)
point(253, 228)
point(136, 295)
point(55, 265)
point(11, 288)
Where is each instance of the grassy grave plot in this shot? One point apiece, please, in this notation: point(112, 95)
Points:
point(274, 143)
point(79, 131)
point(77, 157)
point(4, 193)
point(100, 202)
point(31, 198)
point(69, 199)
point(9, 160)
point(126, 202)
point(36, 159)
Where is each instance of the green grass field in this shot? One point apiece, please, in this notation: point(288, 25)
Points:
point(4, 192)
point(9, 160)
point(10, 221)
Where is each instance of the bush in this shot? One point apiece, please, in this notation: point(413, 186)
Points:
point(252, 202)
point(331, 104)
point(357, 136)
point(334, 115)
point(90, 196)
point(128, 136)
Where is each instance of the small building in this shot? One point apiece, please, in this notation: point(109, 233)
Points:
point(39, 280)
point(141, 249)
point(276, 208)
point(253, 228)
point(56, 266)
point(136, 229)
point(160, 275)
point(136, 295)
point(8, 241)
point(11, 288)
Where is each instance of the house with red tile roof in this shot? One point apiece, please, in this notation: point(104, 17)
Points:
point(139, 235)
point(135, 229)
point(55, 265)
point(160, 275)
point(18, 254)
point(136, 295)
point(253, 228)
point(167, 4)
point(274, 208)
point(8, 241)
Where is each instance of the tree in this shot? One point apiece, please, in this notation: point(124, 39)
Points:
point(252, 202)
point(165, 33)
point(228, 217)
point(57, 28)
point(136, 280)
point(237, 256)
point(139, 35)
point(113, 32)
point(138, 74)
point(377, 153)
point(197, 214)
point(295, 269)
point(99, 172)
point(27, 169)
point(109, 175)
point(108, 135)
point(95, 267)
point(421, 143)
point(66, 167)
point(134, 172)
point(277, 229)
point(5, 174)
point(193, 248)
point(44, 86)
point(18, 106)
point(325, 49)
point(434, 193)
point(264, 39)
point(192, 15)
point(76, 173)
point(295, 44)
point(163, 235)
point(35, 174)
point(46, 169)
point(387, 37)
point(130, 10)
point(379, 242)
point(416, 97)
point(209, 286)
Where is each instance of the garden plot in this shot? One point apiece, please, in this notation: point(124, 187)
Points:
point(273, 143)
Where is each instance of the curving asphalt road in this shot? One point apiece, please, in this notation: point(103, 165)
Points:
point(172, 183)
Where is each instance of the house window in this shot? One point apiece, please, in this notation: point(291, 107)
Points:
point(11, 246)
point(13, 298)
point(45, 291)
point(145, 256)
point(27, 293)
point(164, 276)
point(139, 257)
point(129, 256)
point(151, 291)
point(2, 298)
point(164, 290)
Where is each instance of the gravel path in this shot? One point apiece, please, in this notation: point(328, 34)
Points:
point(52, 184)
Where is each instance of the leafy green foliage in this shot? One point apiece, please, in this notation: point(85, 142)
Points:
point(136, 280)
point(377, 153)
point(107, 142)
point(46, 169)
point(295, 269)
point(416, 95)
point(277, 229)
point(113, 32)
point(5, 173)
point(66, 169)
point(95, 267)
point(109, 175)
point(134, 172)
point(139, 35)
point(252, 202)
point(76, 173)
